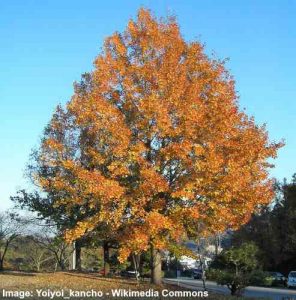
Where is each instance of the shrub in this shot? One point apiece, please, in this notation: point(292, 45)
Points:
point(260, 278)
point(236, 266)
point(235, 282)
point(213, 274)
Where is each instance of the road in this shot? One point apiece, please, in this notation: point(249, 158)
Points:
point(251, 291)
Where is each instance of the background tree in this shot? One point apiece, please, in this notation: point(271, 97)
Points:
point(62, 219)
point(11, 225)
point(55, 244)
point(283, 223)
point(260, 231)
point(155, 148)
point(36, 255)
point(273, 230)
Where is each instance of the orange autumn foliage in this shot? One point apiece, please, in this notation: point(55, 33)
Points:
point(157, 148)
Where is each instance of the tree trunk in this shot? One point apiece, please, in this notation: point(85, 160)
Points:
point(62, 265)
point(233, 290)
point(142, 262)
point(155, 266)
point(78, 256)
point(106, 259)
point(136, 264)
point(3, 255)
point(60, 261)
point(38, 264)
point(217, 244)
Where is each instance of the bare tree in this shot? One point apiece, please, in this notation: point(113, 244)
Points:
point(55, 244)
point(37, 254)
point(11, 226)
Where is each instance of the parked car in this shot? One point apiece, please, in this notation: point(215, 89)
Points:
point(130, 274)
point(197, 274)
point(291, 282)
point(277, 278)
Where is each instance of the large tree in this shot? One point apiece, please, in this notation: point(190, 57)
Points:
point(156, 147)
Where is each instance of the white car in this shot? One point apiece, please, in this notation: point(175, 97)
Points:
point(291, 282)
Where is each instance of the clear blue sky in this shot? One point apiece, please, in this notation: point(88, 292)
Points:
point(46, 45)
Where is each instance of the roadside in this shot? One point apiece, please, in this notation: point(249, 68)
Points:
point(251, 291)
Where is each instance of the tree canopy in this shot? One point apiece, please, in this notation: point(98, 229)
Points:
point(153, 144)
